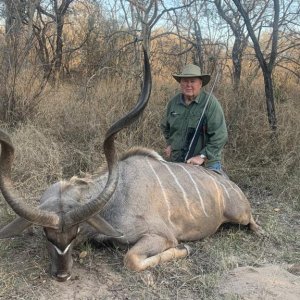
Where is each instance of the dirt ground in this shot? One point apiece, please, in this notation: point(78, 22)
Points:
point(85, 284)
point(248, 283)
point(267, 282)
point(98, 279)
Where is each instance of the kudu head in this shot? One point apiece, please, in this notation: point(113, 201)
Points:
point(60, 212)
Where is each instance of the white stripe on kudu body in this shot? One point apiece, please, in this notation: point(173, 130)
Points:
point(162, 190)
point(217, 184)
point(237, 190)
point(186, 200)
point(196, 188)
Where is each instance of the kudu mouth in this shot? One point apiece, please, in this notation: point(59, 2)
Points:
point(62, 277)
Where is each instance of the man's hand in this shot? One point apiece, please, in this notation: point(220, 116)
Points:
point(168, 151)
point(196, 160)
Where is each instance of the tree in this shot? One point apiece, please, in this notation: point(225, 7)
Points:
point(266, 62)
point(227, 12)
point(16, 49)
point(57, 15)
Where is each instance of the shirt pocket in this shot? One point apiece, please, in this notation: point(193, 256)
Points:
point(175, 120)
point(194, 120)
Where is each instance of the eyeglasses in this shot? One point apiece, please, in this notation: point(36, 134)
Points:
point(191, 81)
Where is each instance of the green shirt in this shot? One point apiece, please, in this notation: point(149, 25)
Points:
point(180, 122)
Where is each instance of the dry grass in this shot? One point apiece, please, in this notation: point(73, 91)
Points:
point(65, 137)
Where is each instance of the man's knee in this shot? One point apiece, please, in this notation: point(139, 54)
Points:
point(217, 167)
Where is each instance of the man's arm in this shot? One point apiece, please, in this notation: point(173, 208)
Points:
point(217, 135)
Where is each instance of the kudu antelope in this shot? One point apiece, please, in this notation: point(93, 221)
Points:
point(142, 201)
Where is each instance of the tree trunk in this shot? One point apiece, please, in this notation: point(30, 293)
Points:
point(59, 47)
point(13, 38)
point(199, 51)
point(237, 62)
point(270, 99)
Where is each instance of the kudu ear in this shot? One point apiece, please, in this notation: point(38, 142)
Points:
point(103, 227)
point(16, 227)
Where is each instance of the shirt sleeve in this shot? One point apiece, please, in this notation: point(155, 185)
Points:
point(217, 135)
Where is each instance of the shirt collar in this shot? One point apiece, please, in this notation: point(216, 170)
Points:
point(197, 99)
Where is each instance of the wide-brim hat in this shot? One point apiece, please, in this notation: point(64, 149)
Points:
point(192, 71)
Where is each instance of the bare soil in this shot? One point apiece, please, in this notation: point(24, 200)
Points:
point(99, 273)
point(249, 283)
point(267, 282)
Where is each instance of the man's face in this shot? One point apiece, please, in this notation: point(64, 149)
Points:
point(191, 87)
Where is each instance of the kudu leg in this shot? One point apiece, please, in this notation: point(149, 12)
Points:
point(152, 250)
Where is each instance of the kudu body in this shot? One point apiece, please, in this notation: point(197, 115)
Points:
point(142, 201)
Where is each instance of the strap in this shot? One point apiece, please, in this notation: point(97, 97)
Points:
point(198, 131)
